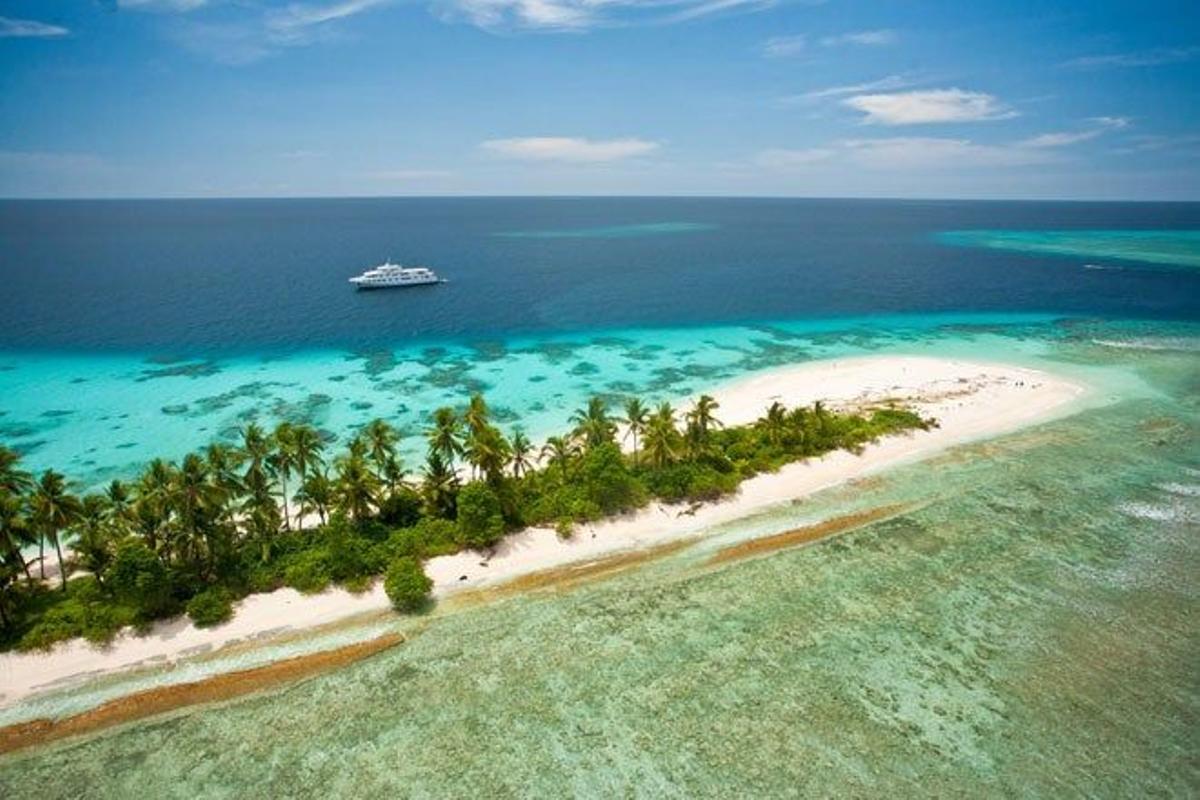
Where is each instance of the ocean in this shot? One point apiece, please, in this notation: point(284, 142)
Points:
point(134, 329)
point(1025, 625)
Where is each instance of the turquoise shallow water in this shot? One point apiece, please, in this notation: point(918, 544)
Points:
point(1026, 628)
point(98, 416)
point(1178, 248)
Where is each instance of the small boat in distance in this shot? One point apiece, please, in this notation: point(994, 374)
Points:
point(388, 275)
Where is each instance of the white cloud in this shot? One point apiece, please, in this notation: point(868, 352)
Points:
point(871, 38)
point(29, 29)
point(581, 15)
point(928, 106)
point(569, 149)
point(1144, 58)
point(785, 46)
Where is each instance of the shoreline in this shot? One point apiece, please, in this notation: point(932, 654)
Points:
point(971, 400)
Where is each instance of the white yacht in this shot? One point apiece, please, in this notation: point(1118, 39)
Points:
point(387, 275)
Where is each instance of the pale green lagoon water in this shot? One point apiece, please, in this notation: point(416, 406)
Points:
point(1029, 629)
point(1180, 249)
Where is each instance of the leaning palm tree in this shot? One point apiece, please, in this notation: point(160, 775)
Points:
point(223, 463)
point(559, 450)
point(54, 510)
point(521, 450)
point(592, 423)
point(635, 422)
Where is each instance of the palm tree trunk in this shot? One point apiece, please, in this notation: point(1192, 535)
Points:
point(62, 572)
point(42, 556)
point(287, 526)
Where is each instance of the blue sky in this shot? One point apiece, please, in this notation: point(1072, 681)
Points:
point(190, 98)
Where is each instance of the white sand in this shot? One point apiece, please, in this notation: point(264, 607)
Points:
point(969, 400)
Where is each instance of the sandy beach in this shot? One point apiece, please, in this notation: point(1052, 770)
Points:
point(969, 400)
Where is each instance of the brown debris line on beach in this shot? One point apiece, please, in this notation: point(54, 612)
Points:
point(162, 699)
point(809, 533)
point(568, 576)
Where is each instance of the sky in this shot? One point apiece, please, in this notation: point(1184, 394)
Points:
point(884, 98)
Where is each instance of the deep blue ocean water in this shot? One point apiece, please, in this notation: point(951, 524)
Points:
point(171, 277)
point(136, 329)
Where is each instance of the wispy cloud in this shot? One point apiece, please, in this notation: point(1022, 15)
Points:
point(569, 149)
point(408, 174)
point(929, 106)
point(883, 84)
point(582, 15)
point(1099, 126)
point(1141, 58)
point(250, 38)
point(29, 29)
point(785, 46)
point(162, 5)
point(294, 23)
point(868, 38)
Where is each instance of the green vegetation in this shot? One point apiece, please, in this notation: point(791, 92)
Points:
point(407, 585)
point(273, 511)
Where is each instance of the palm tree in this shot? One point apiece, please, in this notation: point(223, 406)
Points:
point(117, 502)
point(774, 424)
point(356, 488)
point(223, 462)
point(12, 478)
point(54, 510)
point(316, 495)
point(559, 450)
point(521, 449)
point(491, 453)
point(592, 424)
point(702, 417)
point(439, 486)
point(15, 529)
point(94, 534)
point(381, 440)
point(307, 449)
point(282, 463)
point(661, 436)
point(445, 436)
point(635, 421)
point(153, 505)
point(477, 416)
point(198, 501)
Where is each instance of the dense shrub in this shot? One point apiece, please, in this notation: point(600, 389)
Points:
point(139, 579)
point(210, 607)
point(480, 519)
point(308, 572)
point(407, 585)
